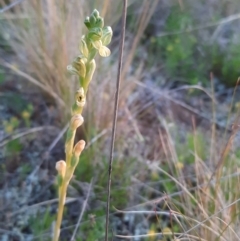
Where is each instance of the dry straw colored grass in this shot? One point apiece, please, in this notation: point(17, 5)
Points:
point(45, 37)
point(206, 203)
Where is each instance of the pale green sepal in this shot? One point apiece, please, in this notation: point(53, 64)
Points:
point(72, 70)
point(83, 47)
point(92, 54)
point(104, 51)
point(107, 36)
point(79, 65)
point(97, 44)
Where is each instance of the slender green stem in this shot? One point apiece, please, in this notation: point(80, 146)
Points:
point(62, 198)
point(63, 190)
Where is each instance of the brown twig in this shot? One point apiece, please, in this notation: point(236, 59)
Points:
point(124, 14)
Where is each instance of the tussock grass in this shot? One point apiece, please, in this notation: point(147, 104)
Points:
point(194, 183)
point(44, 36)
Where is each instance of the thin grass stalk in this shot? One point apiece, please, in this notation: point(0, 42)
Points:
point(11, 5)
point(121, 47)
point(230, 108)
point(213, 138)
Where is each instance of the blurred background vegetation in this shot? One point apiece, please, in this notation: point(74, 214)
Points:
point(177, 156)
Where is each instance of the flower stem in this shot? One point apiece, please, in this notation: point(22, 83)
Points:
point(62, 198)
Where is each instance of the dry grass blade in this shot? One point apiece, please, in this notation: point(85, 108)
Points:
point(186, 237)
point(48, 202)
point(169, 214)
point(124, 16)
point(10, 6)
point(82, 212)
point(28, 132)
point(212, 216)
point(32, 80)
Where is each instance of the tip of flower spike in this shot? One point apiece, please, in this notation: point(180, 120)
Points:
point(61, 167)
point(76, 121)
point(79, 147)
point(95, 13)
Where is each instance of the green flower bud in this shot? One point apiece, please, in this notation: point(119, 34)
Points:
point(107, 35)
point(87, 23)
point(95, 13)
point(61, 168)
point(92, 21)
point(78, 148)
point(99, 22)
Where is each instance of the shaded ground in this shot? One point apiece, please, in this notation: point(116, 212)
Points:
point(27, 162)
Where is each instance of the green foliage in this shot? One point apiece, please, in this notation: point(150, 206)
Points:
point(94, 228)
point(2, 77)
point(195, 144)
point(186, 57)
point(121, 171)
point(179, 52)
point(225, 63)
point(40, 223)
point(84, 170)
point(14, 146)
point(25, 170)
